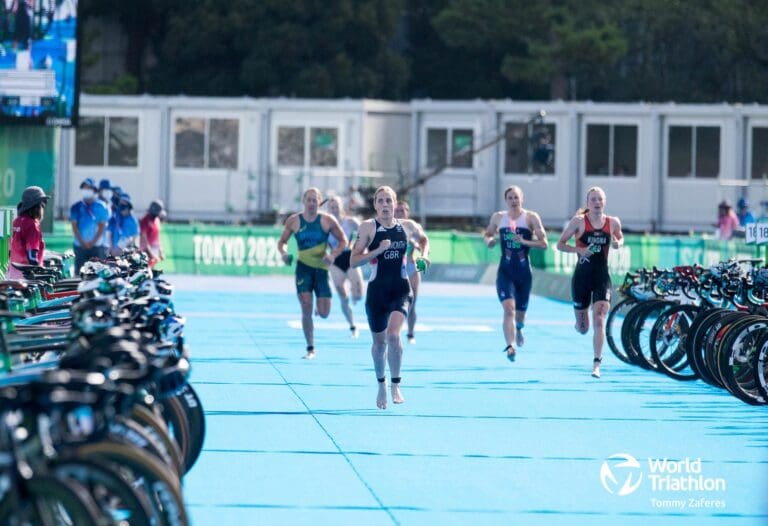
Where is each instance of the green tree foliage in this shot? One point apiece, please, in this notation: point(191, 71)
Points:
point(621, 50)
point(552, 45)
point(444, 66)
point(144, 23)
point(704, 51)
point(303, 48)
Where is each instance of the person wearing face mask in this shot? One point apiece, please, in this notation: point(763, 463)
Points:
point(149, 232)
point(27, 245)
point(123, 226)
point(106, 193)
point(117, 192)
point(89, 218)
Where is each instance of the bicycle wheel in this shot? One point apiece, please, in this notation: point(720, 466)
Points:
point(49, 501)
point(630, 327)
point(176, 418)
point(113, 494)
point(641, 336)
point(736, 359)
point(667, 342)
point(127, 431)
point(146, 472)
point(694, 343)
point(713, 342)
point(760, 365)
point(613, 324)
point(193, 408)
point(155, 427)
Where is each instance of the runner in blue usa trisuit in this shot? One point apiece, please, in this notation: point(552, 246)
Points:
point(383, 241)
point(595, 233)
point(519, 230)
point(311, 229)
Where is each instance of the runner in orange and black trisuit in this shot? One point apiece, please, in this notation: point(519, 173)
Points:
point(595, 233)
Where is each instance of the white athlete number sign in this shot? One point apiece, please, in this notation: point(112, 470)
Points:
point(750, 233)
point(761, 233)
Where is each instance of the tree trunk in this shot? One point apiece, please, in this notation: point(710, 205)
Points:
point(558, 86)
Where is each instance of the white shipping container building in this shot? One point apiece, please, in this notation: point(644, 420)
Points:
point(664, 166)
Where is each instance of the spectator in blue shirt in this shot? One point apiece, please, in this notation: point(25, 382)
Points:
point(105, 195)
point(123, 226)
point(742, 210)
point(89, 218)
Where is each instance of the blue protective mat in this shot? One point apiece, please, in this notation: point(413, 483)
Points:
point(478, 441)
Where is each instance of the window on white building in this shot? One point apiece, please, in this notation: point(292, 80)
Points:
point(299, 146)
point(529, 148)
point(107, 141)
point(611, 150)
point(450, 147)
point(760, 153)
point(206, 143)
point(694, 151)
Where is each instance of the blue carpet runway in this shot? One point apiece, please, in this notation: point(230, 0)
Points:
point(478, 441)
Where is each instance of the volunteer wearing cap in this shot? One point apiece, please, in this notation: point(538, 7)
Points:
point(149, 227)
point(744, 213)
point(89, 218)
point(105, 194)
point(123, 227)
point(27, 245)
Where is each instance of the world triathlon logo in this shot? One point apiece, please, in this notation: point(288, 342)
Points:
point(621, 474)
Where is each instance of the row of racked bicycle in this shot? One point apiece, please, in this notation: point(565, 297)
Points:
point(692, 322)
point(97, 421)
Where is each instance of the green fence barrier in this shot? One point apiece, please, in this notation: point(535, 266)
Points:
point(252, 250)
point(27, 157)
point(7, 215)
point(231, 250)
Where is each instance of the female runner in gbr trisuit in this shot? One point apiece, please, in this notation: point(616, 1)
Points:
point(383, 241)
point(595, 233)
point(519, 230)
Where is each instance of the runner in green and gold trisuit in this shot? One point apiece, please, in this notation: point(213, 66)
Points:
point(311, 229)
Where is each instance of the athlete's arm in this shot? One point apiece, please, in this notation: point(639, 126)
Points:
point(491, 229)
point(573, 227)
point(353, 233)
point(540, 235)
point(418, 234)
point(335, 229)
point(424, 242)
point(365, 234)
point(616, 233)
point(282, 243)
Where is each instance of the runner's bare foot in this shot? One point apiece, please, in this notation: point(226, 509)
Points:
point(519, 338)
point(381, 398)
point(397, 397)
